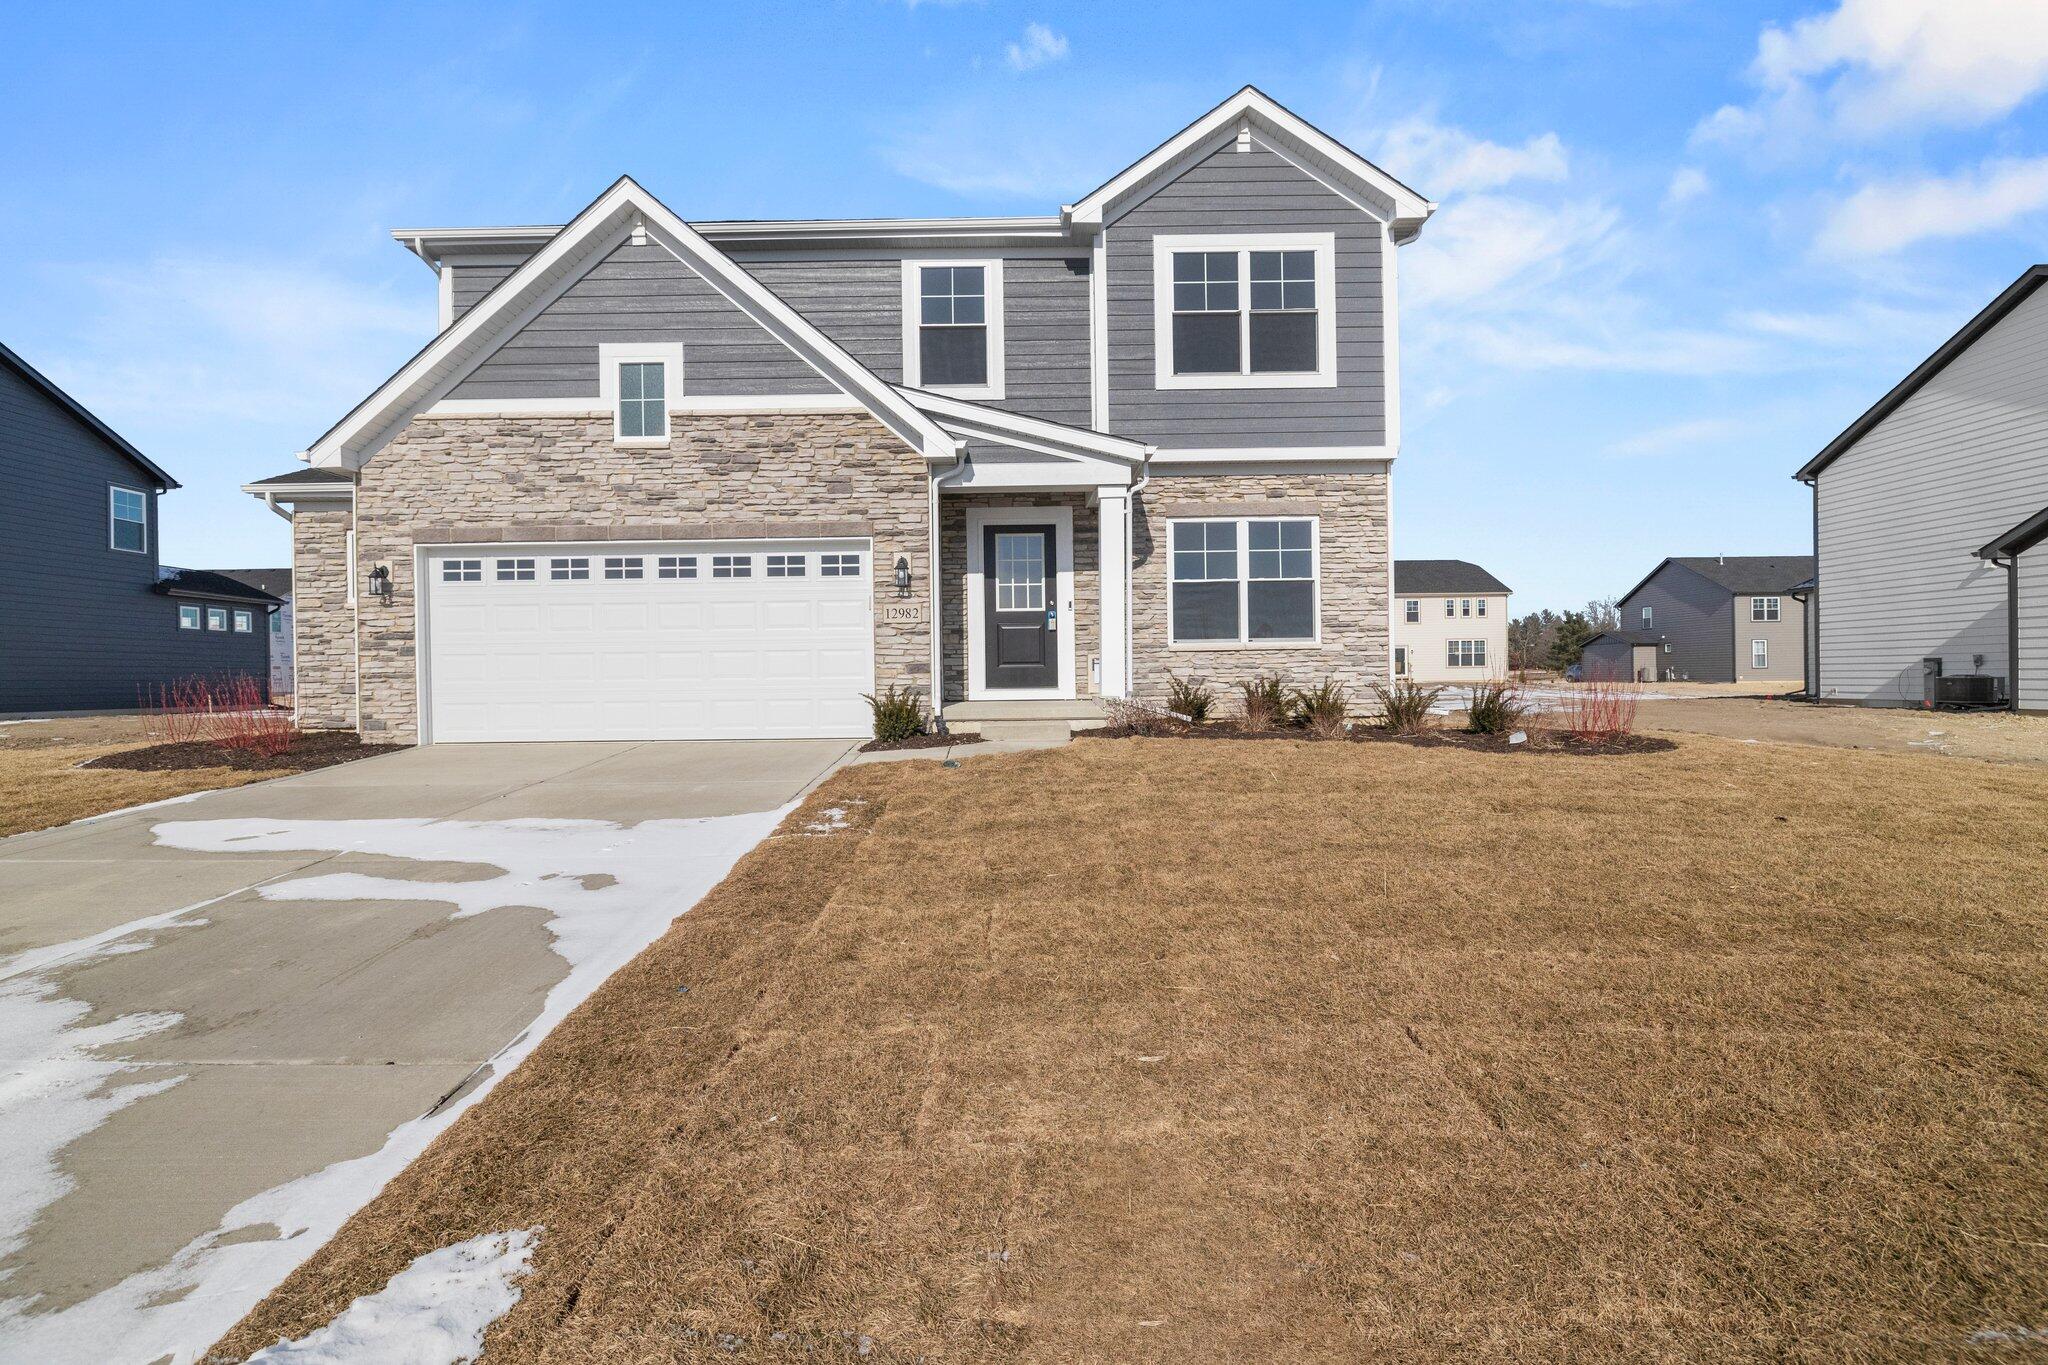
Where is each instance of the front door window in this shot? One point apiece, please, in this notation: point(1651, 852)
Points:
point(1020, 571)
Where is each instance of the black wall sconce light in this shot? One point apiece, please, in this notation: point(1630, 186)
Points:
point(902, 576)
point(380, 581)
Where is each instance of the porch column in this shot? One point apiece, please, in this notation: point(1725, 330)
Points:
point(1113, 507)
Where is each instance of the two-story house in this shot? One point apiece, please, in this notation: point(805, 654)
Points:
point(1450, 622)
point(92, 620)
point(667, 479)
point(1710, 618)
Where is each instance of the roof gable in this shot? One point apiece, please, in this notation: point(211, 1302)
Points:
point(1426, 576)
point(37, 380)
point(1287, 134)
point(1735, 573)
point(614, 217)
point(1995, 312)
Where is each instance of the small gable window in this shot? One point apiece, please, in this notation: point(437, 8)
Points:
point(953, 327)
point(128, 513)
point(643, 399)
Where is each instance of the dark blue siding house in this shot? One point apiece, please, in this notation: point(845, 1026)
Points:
point(91, 620)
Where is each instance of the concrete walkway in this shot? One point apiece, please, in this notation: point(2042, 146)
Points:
point(208, 1000)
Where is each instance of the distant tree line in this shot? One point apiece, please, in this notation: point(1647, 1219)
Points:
point(1550, 639)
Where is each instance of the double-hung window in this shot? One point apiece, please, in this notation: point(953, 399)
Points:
point(1759, 653)
point(1413, 611)
point(1765, 609)
point(1649, 618)
point(1244, 580)
point(128, 520)
point(1251, 311)
point(953, 327)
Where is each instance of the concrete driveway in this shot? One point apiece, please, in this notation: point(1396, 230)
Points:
point(226, 1021)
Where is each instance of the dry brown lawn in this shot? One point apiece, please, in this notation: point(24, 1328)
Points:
point(1166, 1051)
point(41, 784)
point(1999, 736)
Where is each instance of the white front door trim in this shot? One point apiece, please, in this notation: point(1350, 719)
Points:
point(972, 590)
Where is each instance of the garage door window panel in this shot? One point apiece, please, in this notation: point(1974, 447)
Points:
point(568, 570)
point(732, 566)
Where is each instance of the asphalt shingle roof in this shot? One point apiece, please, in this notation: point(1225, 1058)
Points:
point(1426, 576)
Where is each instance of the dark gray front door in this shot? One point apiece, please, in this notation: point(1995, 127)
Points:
point(1018, 578)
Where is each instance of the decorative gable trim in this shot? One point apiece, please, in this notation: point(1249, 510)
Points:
point(621, 213)
point(966, 419)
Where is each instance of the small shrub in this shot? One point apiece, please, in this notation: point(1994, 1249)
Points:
point(1136, 718)
point(1599, 708)
point(1321, 711)
point(228, 712)
point(1404, 707)
point(1264, 700)
point(1496, 708)
point(899, 713)
point(1189, 697)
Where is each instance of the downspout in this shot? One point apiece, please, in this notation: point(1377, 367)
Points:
point(2011, 564)
point(938, 662)
point(1813, 602)
point(1130, 573)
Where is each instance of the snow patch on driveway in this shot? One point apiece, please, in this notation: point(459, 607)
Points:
point(609, 889)
point(433, 1312)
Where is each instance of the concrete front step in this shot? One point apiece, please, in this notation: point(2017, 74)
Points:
point(1037, 722)
point(1027, 731)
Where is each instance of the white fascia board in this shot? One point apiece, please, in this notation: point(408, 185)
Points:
point(1035, 432)
point(1251, 107)
point(609, 220)
point(1050, 229)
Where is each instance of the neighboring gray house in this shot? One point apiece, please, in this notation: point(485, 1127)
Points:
point(664, 479)
point(1921, 507)
point(1709, 618)
point(91, 620)
point(278, 584)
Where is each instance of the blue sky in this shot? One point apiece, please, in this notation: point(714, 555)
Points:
point(1682, 242)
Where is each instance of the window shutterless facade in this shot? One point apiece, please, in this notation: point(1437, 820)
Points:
point(1246, 581)
point(128, 520)
point(188, 616)
point(1759, 653)
point(953, 327)
point(1244, 311)
point(1765, 609)
point(1465, 653)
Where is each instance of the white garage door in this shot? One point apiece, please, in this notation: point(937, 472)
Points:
point(722, 640)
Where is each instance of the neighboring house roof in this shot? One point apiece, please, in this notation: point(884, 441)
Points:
point(77, 409)
point(1738, 573)
point(276, 582)
point(622, 211)
point(1633, 637)
point(211, 584)
point(1253, 108)
point(1443, 575)
point(2020, 538)
point(2015, 294)
point(299, 478)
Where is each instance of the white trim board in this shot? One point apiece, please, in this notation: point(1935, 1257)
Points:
point(680, 404)
point(971, 586)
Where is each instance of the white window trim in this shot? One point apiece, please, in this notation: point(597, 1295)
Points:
point(1648, 618)
point(992, 304)
point(1765, 611)
point(668, 355)
point(198, 616)
point(1451, 645)
point(1244, 581)
point(1757, 647)
point(974, 591)
point(1323, 244)
point(112, 542)
point(242, 621)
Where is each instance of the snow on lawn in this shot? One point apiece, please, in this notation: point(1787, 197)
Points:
point(433, 1312)
point(609, 889)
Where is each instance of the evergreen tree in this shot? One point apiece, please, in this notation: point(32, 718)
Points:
point(1568, 645)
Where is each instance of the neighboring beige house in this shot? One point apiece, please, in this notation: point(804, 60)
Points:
point(657, 479)
point(1450, 622)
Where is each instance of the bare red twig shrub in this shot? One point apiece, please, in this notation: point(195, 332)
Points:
point(230, 712)
point(1600, 708)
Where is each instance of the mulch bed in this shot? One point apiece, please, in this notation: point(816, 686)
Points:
point(314, 749)
point(1539, 741)
point(883, 746)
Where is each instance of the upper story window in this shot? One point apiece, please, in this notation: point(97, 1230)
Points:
point(643, 398)
point(1413, 611)
point(1482, 606)
point(640, 382)
point(1764, 608)
point(1252, 311)
point(128, 520)
point(245, 623)
point(1450, 606)
point(953, 327)
point(188, 616)
point(1649, 618)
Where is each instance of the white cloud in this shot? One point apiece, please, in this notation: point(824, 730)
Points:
point(1441, 160)
point(1679, 435)
point(1891, 215)
point(1040, 45)
point(1479, 249)
point(1687, 184)
point(1873, 66)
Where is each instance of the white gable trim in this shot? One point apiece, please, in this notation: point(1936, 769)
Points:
point(1027, 433)
point(1316, 152)
point(616, 215)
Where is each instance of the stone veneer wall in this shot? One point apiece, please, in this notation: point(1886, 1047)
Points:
point(1087, 613)
point(323, 621)
point(1353, 595)
point(562, 478)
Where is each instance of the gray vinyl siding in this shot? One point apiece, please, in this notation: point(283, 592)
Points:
point(1254, 191)
point(1695, 616)
point(2033, 603)
point(1903, 511)
point(1785, 637)
point(80, 627)
point(640, 294)
point(1608, 657)
point(859, 304)
point(469, 283)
